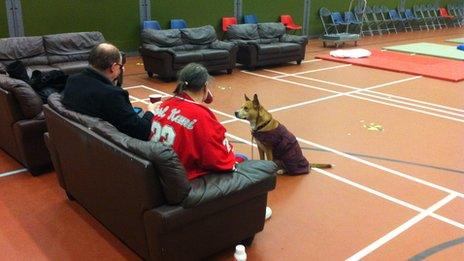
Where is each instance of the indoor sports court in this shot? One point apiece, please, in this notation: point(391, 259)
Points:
point(391, 124)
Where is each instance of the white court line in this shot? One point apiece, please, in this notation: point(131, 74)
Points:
point(360, 160)
point(133, 87)
point(405, 226)
point(9, 173)
point(349, 94)
point(380, 167)
point(311, 61)
point(370, 190)
point(304, 72)
point(374, 92)
point(352, 87)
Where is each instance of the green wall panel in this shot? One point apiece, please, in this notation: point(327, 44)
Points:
point(194, 12)
point(270, 10)
point(3, 21)
point(118, 20)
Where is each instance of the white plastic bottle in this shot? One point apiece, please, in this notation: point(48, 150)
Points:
point(240, 254)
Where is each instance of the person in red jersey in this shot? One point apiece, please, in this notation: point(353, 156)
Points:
point(190, 127)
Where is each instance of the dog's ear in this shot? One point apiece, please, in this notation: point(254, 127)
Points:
point(246, 98)
point(255, 100)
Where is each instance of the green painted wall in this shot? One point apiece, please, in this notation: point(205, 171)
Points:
point(118, 20)
point(3, 20)
point(194, 12)
point(270, 10)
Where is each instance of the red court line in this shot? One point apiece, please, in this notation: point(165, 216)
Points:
point(432, 67)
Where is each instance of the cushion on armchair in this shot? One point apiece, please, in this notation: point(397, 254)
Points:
point(30, 50)
point(199, 35)
point(243, 31)
point(271, 30)
point(162, 38)
point(70, 47)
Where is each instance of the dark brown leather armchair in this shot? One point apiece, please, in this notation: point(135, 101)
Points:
point(164, 52)
point(139, 190)
point(22, 121)
point(266, 44)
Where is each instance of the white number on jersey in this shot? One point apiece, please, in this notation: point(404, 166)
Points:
point(163, 134)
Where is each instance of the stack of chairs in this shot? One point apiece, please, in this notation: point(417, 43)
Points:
point(334, 22)
point(458, 12)
point(381, 19)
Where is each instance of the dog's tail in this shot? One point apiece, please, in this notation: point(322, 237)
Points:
point(321, 165)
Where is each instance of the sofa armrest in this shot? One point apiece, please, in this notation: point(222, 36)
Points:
point(153, 50)
point(287, 38)
point(250, 177)
point(242, 43)
point(221, 45)
point(29, 137)
point(55, 159)
point(214, 192)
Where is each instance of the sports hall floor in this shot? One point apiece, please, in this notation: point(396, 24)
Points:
point(396, 190)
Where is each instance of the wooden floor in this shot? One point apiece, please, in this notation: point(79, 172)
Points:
point(397, 189)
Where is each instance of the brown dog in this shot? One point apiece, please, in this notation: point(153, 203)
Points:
point(274, 141)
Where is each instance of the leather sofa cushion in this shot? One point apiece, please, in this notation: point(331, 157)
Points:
point(69, 47)
point(209, 54)
point(21, 47)
point(248, 174)
point(199, 35)
point(171, 172)
point(278, 48)
point(200, 55)
point(29, 102)
point(71, 67)
point(188, 47)
point(162, 38)
point(187, 56)
point(243, 32)
point(271, 30)
point(268, 48)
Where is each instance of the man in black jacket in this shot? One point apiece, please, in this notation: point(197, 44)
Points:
point(93, 92)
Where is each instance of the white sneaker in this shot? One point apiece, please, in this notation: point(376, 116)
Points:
point(268, 213)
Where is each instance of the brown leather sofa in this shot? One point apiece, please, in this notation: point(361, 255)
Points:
point(164, 52)
point(22, 121)
point(266, 44)
point(67, 52)
point(139, 190)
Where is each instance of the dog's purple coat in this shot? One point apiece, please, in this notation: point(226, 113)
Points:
point(285, 148)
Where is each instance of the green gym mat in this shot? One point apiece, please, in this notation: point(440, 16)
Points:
point(456, 40)
point(437, 50)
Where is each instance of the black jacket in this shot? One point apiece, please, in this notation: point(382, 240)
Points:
point(91, 93)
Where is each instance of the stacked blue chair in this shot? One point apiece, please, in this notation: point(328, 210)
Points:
point(399, 22)
point(250, 19)
point(353, 21)
point(337, 20)
point(178, 24)
point(152, 24)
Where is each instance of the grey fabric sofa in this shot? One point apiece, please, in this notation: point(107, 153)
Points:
point(139, 190)
point(21, 116)
point(164, 52)
point(266, 44)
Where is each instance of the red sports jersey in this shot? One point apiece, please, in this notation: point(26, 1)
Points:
point(195, 135)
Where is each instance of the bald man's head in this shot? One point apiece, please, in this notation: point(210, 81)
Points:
point(103, 56)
